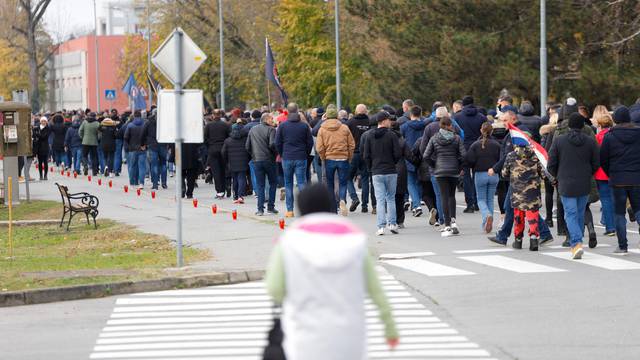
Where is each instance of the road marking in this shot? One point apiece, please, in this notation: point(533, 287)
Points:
point(562, 247)
point(510, 264)
point(410, 255)
point(479, 251)
point(601, 261)
point(424, 353)
point(427, 267)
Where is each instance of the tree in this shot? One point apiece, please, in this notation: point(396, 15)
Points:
point(13, 73)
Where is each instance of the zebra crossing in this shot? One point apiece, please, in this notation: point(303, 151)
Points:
point(230, 322)
point(553, 259)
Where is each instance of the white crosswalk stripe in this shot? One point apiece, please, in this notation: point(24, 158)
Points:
point(428, 268)
point(511, 264)
point(231, 322)
point(597, 260)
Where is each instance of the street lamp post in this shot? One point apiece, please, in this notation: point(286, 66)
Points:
point(221, 55)
point(337, 23)
point(543, 57)
point(149, 51)
point(95, 37)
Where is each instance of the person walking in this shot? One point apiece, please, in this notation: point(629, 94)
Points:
point(88, 131)
point(446, 153)
point(358, 125)
point(156, 152)
point(620, 160)
point(121, 122)
point(41, 147)
point(524, 171)
point(59, 130)
point(73, 144)
point(482, 155)
point(530, 120)
point(573, 160)
point(136, 156)
point(411, 131)
point(294, 143)
point(215, 133)
point(381, 152)
point(236, 156)
point(603, 121)
point(262, 147)
point(320, 272)
point(107, 131)
point(335, 145)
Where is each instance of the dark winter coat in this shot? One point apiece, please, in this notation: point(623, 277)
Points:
point(445, 154)
point(41, 137)
point(524, 171)
point(470, 120)
point(72, 138)
point(412, 130)
point(133, 135)
point(215, 133)
point(422, 164)
point(107, 132)
point(261, 143)
point(528, 118)
point(293, 139)
point(59, 131)
point(149, 133)
point(381, 151)
point(573, 160)
point(235, 153)
point(433, 128)
point(507, 147)
point(358, 125)
point(620, 155)
point(482, 158)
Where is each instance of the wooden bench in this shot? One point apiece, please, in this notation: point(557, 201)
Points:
point(88, 205)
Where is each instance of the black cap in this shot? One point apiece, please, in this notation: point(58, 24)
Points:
point(467, 100)
point(621, 115)
point(255, 114)
point(576, 121)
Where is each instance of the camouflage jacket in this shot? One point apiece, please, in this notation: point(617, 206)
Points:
point(524, 171)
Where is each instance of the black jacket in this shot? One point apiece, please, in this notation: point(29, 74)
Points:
point(532, 121)
point(358, 125)
point(149, 133)
point(41, 140)
point(235, 153)
point(133, 135)
point(59, 130)
point(482, 159)
point(446, 155)
point(470, 120)
point(107, 131)
point(620, 155)
point(381, 151)
point(215, 133)
point(573, 160)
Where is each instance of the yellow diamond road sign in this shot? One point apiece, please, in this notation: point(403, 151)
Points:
point(165, 57)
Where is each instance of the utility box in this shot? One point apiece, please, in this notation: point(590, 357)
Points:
point(15, 127)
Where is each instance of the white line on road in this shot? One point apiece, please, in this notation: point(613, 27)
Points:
point(427, 267)
point(562, 247)
point(601, 261)
point(479, 251)
point(510, 264)
point(404, 255)
point(425, 353)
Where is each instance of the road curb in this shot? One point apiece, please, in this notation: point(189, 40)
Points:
point(48, 295)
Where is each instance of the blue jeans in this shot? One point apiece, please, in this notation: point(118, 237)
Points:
point(291, 168)
point(101, 159)
point(469, 188)
point(620, 196)
point(507, 225)
point(265, 169)
point(254, 182)
point(574, 208)
point(117, 157)
point(76, 153)
point(486, 190)
point(59, 157)
point(342, 168)
point(239, 184)
point(415, 189)
point(158, 165)
point(317, 167)
point(436, 190)
point(358, 166)
point(385, 188)
point(136, 165)
point(606, 199)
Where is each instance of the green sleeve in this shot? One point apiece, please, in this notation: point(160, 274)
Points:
point(377, 295)
point(275, 280)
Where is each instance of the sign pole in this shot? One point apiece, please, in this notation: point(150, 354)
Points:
point(178, 155)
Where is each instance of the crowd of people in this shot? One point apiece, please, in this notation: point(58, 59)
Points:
point(403, 161)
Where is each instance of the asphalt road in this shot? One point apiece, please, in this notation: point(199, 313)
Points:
point(512, 304)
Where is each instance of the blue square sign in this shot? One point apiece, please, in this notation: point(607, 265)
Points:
point(110, 94)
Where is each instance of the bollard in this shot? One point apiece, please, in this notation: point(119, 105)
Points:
point(234, 215)
point(281, 223)
point(195, 202)
point(214, 209)
point(9, 196)
point(126, 188)
point(153, 194)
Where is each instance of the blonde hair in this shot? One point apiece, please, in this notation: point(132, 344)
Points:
point(601, 117)
point(553, 119)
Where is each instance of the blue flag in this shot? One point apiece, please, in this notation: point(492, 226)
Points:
point(129, 85)
point(139, 103)
point(271, 71)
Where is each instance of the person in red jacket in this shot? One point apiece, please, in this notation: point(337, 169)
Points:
point(603, 121)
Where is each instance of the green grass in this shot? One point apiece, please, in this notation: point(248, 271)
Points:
point(54, 252)
point(37, 209)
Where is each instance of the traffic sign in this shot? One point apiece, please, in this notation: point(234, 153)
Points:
point(165, 57)
point(191, 110)
point(110, 94)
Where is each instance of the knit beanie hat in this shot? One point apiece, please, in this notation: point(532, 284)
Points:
point(467, 100)
point(332, 112)
point(576, 121)
point(621, 115)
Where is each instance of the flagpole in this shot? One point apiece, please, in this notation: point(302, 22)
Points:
point(269, 95)
point(266, 49)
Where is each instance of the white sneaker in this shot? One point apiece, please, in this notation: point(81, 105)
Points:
point(446, 232)
point(393, 228)
point(343, 208)
point(454, 227)
point(380, 231)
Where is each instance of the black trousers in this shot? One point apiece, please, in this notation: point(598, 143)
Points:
point(189, 179)
point(217, 168)
point(503, 188)
point(400, 208)
point(109, 157)
point(448, 195)
point(428, 194)
point(548, 199)
point(43, 164)
point(562, 225)
point(90, 152)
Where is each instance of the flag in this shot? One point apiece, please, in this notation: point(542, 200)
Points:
point(139, 103)
point(153, 84)
point(519, 137)
point(129, 85)
point(271, 71)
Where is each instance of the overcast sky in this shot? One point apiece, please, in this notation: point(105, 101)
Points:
point(66, 16)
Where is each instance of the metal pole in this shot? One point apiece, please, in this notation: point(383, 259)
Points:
point(338, 96)
point(178, 156)
point(221, 55)
point(149, 51)
point(95, 20)
point(543, 57)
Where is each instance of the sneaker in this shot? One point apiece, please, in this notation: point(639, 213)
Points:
point(576, 252)
point(407, 205)
point(620, 252)
point(476, 208)
point(447, 232)
point(546, 240)
point(517, 244)
point(343, 208)
point(488, 226)
point(373, 211)
point(454, 227)
point(468, 210)
point(566, 243)
point(259, 213)
point(562, 232)
point(417, 212)
point(495, 240)
point(164, 186)
point(422, 203)
point(220, 196)
point(533, 244)
point(288, 214)
point(549, 222)
point(393, 228)
point(354, 205)
point(380, 231)
point(272, 211)
point(632, 216)
point(400, 226)
point(610, 233)
point(364, 210)
point(593, 241)
point(433, 214)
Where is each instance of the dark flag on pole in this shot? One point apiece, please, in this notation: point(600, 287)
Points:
point(271, 71)
point(153, 84)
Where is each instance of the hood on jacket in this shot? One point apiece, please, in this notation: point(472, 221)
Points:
point(138, 122)
point(417, 125)
point(90, 119)
point(626, 135)
point(331, 124)
point(236, 131)
point(108, 122)
point(470, 110)
point(547, 129)
point(526, 109)
point(379, 132)
point(361, 117)
point(576, 137)
point(444, 137)
point(293, 117)
point(76, 123)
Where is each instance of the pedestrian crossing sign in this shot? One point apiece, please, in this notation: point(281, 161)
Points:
point(110, 94)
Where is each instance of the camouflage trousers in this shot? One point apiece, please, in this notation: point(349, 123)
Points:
point(531, 217)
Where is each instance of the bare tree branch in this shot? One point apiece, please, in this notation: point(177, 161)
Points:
point(49, 55)
point(40, 10)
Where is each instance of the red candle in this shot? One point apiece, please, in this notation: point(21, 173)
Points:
point(234, 215)
point(110, 183)
point(75, 174)
point(138, 191)
point(153, 194)
point(126, 188)
point(195, 203)
point(214, 209)
point(99, 182)
point(89, 177)
point(68, 173)
point(281, 223)
point(51, 169)
point(62, 172)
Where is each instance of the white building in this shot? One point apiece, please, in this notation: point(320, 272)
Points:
point(121, 17)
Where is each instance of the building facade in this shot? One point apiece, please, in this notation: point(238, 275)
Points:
point(121, 17)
